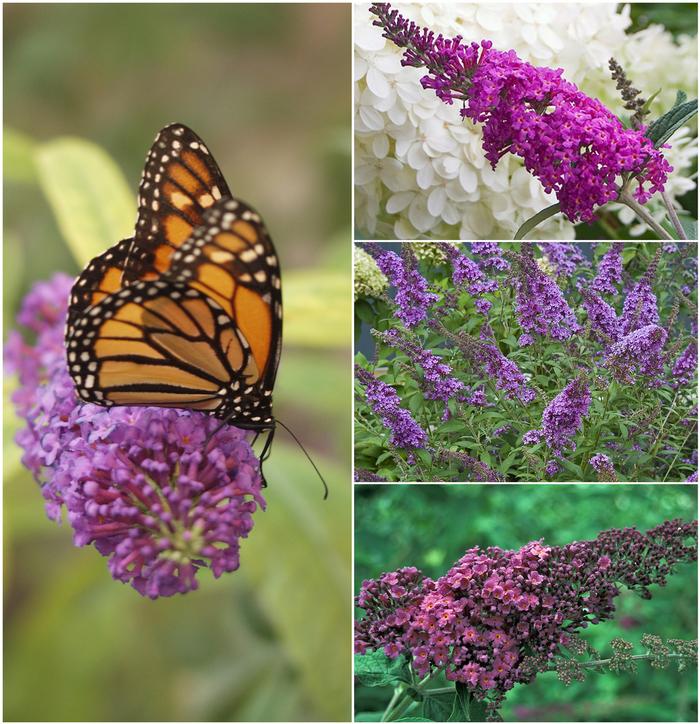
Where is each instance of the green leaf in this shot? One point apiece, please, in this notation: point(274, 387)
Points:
point(413, 718)
point(87, 192)
point(377, 669)
point(369, 716)
point(664, 127)
point(452, 426)
point(538, 218)
point(690, 226)
point(438, 707)
point(462, 710)
point(681, 97)
point(363, 309)
point(651, 98)
point(317, 308)
point(18, 151)
point(572, 468)
point(424, 456)
point(505, 466)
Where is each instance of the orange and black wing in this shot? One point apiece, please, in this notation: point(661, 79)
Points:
point(232, 261)
point(165, 344)
point(100, 278)
point(180, 181)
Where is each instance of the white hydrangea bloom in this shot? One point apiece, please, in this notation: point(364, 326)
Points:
point(419, 169)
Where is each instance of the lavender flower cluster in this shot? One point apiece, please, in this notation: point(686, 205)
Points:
point(139, 484)
point(382, 398)
point(498, 616)
point(572, 143)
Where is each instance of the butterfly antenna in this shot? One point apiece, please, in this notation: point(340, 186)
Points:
point(308, 457)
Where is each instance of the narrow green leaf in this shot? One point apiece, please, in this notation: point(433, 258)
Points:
point(572, 468)
point(681, 97)
point(462, 710)
point(650, 100)
point(424, 457)
point(87, 192)
point(538, 218)
point(377, 669)
point(664, 127)
point(452, 426)
point(363, 310)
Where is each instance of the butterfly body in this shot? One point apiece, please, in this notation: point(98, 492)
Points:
point(188, 312)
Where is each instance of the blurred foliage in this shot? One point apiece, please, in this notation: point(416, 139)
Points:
point(430, 526)
point(678, 18)
point(87, 87)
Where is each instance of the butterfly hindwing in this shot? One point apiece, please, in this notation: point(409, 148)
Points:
point(165, 344)
point(180, 181)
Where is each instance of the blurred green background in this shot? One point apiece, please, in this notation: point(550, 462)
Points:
point(268, 88)
point(430, 526)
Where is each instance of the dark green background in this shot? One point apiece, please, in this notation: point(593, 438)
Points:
point(430, 526)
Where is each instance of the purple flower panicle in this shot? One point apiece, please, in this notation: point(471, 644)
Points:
point(139, 483)
point(382, 398)
point(539, 303)
point(684, 367)
point(412, 296)
point(565, 256)
point(609, 271)
point(572, 143)
point(563, 416)
point(640, 352)
point(603, 465)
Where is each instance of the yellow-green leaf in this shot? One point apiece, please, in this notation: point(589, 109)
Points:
point(317, 309)
point(88, 194)
point(18, 156)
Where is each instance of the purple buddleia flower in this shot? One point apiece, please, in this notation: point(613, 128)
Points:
point(552, 468)
point(468, 275)
point(637, 353)
point(405, 431)
point(604, 322)
point(412, 296)
point(572, 143)
point(639, 309)
point(532, 437)
point(489, 255)
point(603, 465)
point(609, 271)
point(478, 398)
point(565, 256)
point(438, 377)
point(140, 484)
point(539, 303)
point(692, 478)
point(685, 366)
point(478, 471)
point(563, 416)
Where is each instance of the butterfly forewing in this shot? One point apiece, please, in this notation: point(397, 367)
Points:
point(180, 181)
point(231, 259)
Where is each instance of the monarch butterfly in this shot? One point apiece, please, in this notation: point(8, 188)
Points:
point(188, 312)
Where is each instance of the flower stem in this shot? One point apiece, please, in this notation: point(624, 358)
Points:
point(637, 657)
point(673, 216)
point(642, 213)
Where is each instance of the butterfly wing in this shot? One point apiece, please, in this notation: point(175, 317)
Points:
point(180, 181)
point(162, 344)
point(232, 261)
point(100, 278)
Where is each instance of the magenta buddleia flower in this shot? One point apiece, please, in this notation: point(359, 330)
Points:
point(439, 382)
point(382, 398)
point(609, 271)
point(640, 352)
point(686, 364)
point(572, 143)
point(563, 416)
point(138, 483)
point(602, 317)
point(564, 256)
point(539, 303)
point(412, 296)
point(603, 465)
point(497, 617)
